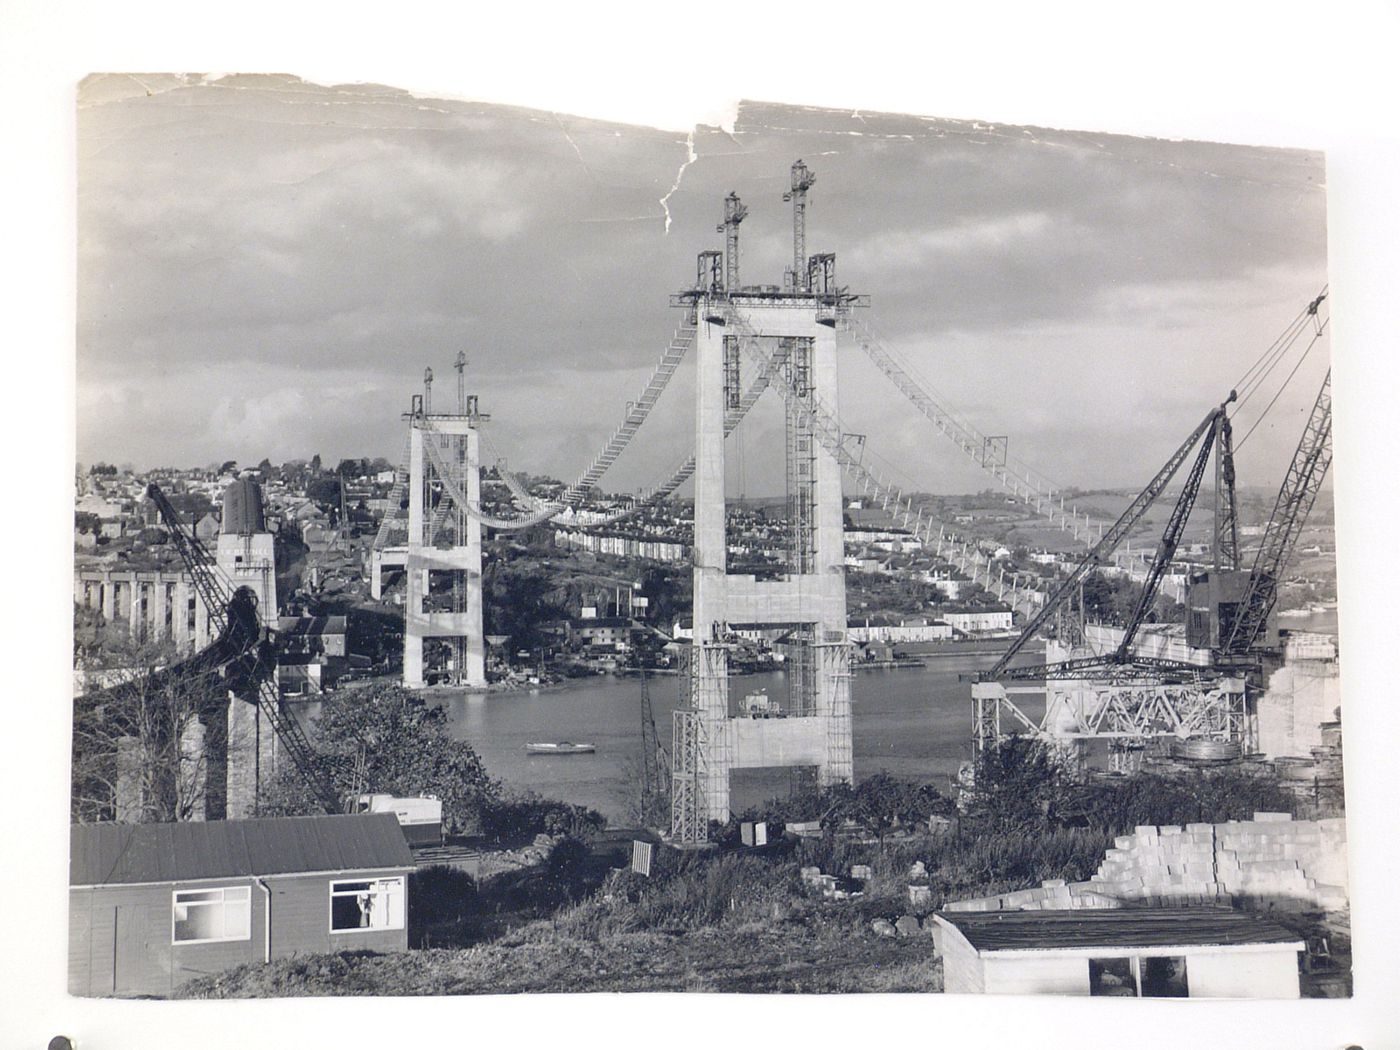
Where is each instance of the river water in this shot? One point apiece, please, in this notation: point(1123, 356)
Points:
point(913, 722)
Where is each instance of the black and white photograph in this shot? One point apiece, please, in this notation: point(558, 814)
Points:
point(827, 551)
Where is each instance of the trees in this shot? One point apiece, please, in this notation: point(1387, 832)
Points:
point(324, 490)
point(142, 738)
point(517, 601)
point(383, 738)
point(1016, 782)
point(667, 591)
point(882, 802)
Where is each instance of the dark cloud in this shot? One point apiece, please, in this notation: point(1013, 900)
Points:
point(266, 266)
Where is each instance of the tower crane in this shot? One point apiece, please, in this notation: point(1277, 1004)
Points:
point(242, 652)
point(734, 213)
point(803, 178)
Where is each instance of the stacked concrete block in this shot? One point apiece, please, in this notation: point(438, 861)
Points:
point(1051, 895)
point(1329, 869)
point(1287, 862)
point(1163, 864)
point(1272, 858)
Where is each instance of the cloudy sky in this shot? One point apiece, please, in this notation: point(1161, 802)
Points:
point(266, 266)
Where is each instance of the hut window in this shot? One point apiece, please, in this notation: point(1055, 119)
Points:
point(374, 904)
point(1164, 977)
point(1112, 976)
point(210, 915)
point(1152, 977)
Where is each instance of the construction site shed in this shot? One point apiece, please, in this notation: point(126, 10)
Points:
point(1198, 953)
point(153, 905)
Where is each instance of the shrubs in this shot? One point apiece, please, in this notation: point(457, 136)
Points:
point(443, 900)
point(1016, 783)
point(878, 804)
point(516, 817)
point(566, 870)
point(1213, 797)
point(965, 865)
point(1021, 783)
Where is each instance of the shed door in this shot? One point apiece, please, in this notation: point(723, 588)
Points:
point(141, 954)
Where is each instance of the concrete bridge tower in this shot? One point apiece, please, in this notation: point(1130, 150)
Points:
point(744, 333)
point(443, 557)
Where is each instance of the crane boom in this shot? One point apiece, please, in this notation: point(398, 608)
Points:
point(1171, 539)
point(249, 656)
point(1295, 501)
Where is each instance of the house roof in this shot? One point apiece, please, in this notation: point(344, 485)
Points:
point(1113, 928)
point(602, 621)
point(112, 854)
point(311, 625)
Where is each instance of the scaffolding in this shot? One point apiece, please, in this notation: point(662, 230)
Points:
point(834, 659)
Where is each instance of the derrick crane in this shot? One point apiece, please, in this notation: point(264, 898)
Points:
point(1121, 696)
point(1125, 697)
point(242, 651)
point(1117, 533)
point(1295, 501)
point(1226, 549)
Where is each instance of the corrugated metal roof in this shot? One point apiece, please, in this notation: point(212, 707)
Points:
point(1113, 928)
point(109, 854)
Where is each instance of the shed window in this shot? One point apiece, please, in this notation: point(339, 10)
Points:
point(1164, 977)
point(374, 904)
point(1152, 977)
point(1113, 976)
point(210, 915)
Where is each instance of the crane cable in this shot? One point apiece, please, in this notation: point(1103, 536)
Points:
point(1258, 373)
point(1317, 335)
point(1273, 348)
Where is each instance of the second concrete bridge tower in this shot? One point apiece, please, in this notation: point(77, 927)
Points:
point(752, 338)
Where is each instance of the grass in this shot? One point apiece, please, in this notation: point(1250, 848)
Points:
point(802, 952)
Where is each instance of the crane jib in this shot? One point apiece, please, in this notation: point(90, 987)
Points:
point(1109, 542)
point(241, 653)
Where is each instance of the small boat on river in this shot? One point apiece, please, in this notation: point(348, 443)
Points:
point(562, 747)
